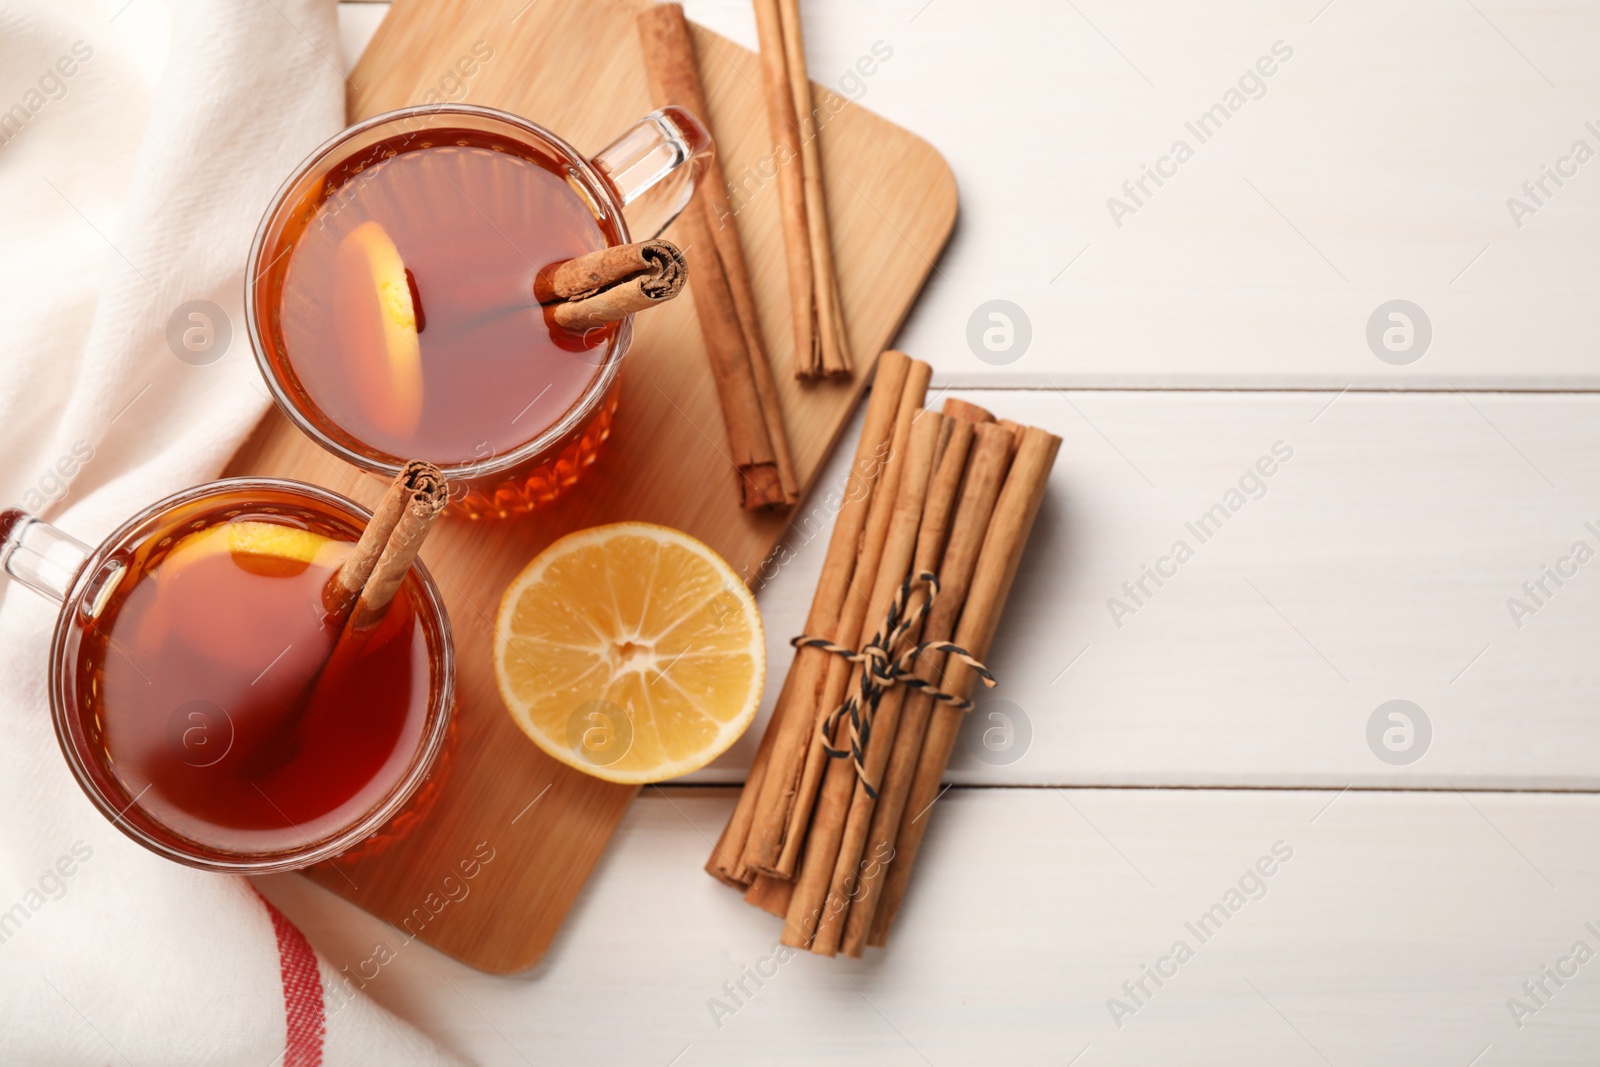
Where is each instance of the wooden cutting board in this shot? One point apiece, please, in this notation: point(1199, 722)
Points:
point(575, 66)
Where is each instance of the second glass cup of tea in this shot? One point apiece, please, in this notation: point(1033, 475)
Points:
point(192, 685)
point(389, 295)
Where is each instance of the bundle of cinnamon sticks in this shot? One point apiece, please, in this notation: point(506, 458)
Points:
point(934, 517)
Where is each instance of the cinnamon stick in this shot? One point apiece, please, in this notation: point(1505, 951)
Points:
point(795, 716)
point(603, 286)
point(851, 866)
point(1015, 429)
point(670, 62)
point(784, 127)
point(832, 342)
point(771, 895)
point(727, 858)
point(344, 588)
point(986, 471)
point(1013, 517)
point(853, 614)
point(832, 805)
point(749, 444)
point(963, 409)
point(358, 594)
point(424, 498)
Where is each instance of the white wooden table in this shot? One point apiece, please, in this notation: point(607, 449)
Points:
point(1168, 738)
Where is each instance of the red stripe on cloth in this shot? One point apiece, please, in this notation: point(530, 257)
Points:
point(302, 992)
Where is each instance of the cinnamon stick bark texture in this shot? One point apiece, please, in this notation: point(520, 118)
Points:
point(416, 480)
point(724, 299)
point(1014, 513)
point(1015, 429)
point(957, 408)
point(421, 505)
point(795, 716)
point(727, 858)
point(784, 127)
point(604, 286)
point(852, 864)
point(854, 612)
point(918, 571)
point(826, 827)
point(750, 445)
point(991, 456)
point(832, 343)
point(771, 895)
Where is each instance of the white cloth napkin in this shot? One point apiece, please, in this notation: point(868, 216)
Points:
point(140, 141)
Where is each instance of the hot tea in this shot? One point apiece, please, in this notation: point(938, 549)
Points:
point(391, 296)
point(204, 689)
point(406, 311)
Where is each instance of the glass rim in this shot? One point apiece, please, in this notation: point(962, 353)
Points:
point(500, 463)
point(440, 706)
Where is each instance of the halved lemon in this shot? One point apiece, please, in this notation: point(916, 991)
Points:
point(632, 652)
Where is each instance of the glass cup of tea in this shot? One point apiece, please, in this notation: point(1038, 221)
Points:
point(390, 292)
point(191, 685)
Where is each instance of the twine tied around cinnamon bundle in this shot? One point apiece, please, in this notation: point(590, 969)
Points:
point(886, 661)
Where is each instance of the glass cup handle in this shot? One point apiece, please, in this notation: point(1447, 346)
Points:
point(38, 555)
point(654, 167)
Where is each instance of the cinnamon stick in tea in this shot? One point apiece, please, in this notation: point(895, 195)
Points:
point(360, 591)
point(670, 62)
point(416, 481)
point(853, 614)
point(832, 342)
point(1013, 517)
point(841, 775)
point(420, 506)
point(986, 471)
point(794, 718)
point(852, 865)
point(603, 286)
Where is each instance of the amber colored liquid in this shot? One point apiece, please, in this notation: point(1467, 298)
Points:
point(474, 217)
point(207, 690)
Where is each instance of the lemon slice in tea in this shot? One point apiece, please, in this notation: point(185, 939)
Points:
point(632, 652)
point(264, 547)
point(378, 324)
point(267, 550)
